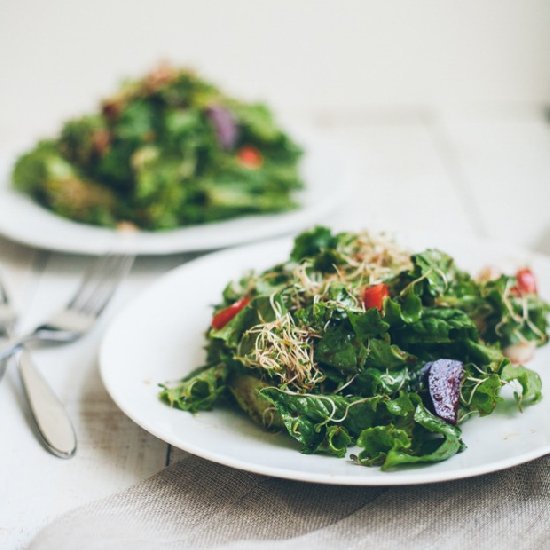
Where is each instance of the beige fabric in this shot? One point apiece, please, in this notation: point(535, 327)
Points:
point(196, 504)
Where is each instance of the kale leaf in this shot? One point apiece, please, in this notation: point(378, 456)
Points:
point(198, 391)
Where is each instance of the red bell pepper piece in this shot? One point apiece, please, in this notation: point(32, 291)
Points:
point(373, 296)
point(225, 315)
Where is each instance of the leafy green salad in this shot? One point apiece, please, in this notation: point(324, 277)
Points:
point(166, 150)
point(355, 342)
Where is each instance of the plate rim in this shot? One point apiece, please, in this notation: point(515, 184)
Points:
point(427, 477)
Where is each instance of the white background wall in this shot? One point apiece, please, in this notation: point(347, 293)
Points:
point(314, 56)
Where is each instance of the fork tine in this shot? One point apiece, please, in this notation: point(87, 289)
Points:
point(97, 275)
point(102, 300)
point(4, 299)
point(91, 273)
point(106, 287)
point(100, 288)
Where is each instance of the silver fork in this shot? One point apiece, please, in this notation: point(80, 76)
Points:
point(82, 310)
point(68, 325)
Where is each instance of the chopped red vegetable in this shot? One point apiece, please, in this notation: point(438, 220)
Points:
point(225, 315)
point(373, 296)
point(527, 283)
point(250, 157)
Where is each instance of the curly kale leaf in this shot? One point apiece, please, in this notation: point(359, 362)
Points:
point(480, 391)
point(432, 273)
point(198, 391)
point(368, 324)
point(437, 326)
point(308, 417)
point(340, 349)
point(313, 242)
point(373, 381)
point(430, 439)
point(403, 308)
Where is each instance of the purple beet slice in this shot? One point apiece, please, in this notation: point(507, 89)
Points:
point(225, 125)
point(444, 380)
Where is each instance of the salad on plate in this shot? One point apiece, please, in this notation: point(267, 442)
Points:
point(166, 150)
point(354, 343)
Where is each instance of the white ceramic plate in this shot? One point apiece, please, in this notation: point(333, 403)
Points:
point(324, 168)
point(160, 337)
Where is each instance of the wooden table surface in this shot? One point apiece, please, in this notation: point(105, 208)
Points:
point(481, 173)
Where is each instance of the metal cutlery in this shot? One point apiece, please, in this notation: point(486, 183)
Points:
point(69, 324)
point(81, 312)
point(50, 416)
point(48, 412)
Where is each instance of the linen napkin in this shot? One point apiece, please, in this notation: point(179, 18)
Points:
point(197, 504)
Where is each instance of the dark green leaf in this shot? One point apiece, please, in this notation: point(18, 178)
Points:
point(480, 392)
point(374, 381)
point(311, 243)
point(198, 391)
point(306, 417)
point(377, 442)
point(384, 355)
point(448, 445)
point(335, 442)
point(368, 324)
point(436, 268)
point(340, 349)
point(431, 440)
point(438, 326)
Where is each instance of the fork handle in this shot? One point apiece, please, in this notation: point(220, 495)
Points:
point(48, 412)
